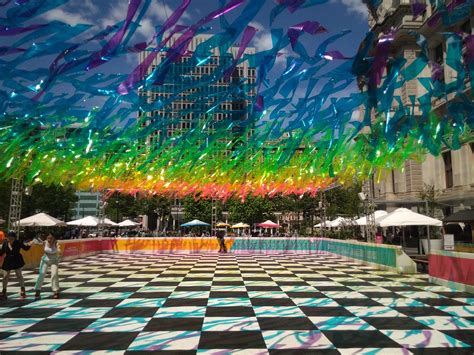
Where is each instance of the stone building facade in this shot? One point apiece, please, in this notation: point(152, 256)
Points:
point(451, 173)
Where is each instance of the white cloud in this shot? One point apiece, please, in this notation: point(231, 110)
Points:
point(60, 14)
point(161, 12)
point(263, 42)
point(355, 6)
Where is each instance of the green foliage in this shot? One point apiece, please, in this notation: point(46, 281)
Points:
point(5, 188)
point(198, 209)
point(120, 206)
point(343, 202)
point(430, 196)
point(252, 210)
point(55, 200)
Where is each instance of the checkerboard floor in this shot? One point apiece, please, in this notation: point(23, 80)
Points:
point(249, 304)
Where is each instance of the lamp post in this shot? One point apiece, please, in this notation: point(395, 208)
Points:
point(117, 216)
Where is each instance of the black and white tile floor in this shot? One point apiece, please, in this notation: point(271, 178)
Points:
point(248, 304)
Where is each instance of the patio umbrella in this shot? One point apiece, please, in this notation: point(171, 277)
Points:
point(466, 216)
point(195, 223)
point(2, 221)
point(40, 220)
point(128, 223)
point(405, 217)
point(222, 225)
point(339, 221)
point(90, 221)
point(240, 225)
point(268, 224)
point(362, 221)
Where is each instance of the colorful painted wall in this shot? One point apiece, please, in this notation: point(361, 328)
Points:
point(452, 269)
point(381, 256)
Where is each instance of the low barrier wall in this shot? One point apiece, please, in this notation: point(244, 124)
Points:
point(382, 256)
point(452, 269)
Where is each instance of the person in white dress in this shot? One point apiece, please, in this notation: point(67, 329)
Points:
point(50, 259)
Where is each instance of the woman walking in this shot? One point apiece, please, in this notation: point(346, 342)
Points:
point(13, 261)
point(49, 259)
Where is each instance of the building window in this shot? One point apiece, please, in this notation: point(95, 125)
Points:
point(448, 169)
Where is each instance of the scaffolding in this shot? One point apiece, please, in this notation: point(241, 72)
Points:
point(369, 210)
point(213, 215)
point(101, 215)
point(16, 198)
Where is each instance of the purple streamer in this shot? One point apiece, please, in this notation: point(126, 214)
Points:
point(9, 31)
point(334, 55)
point(249, 32)
point(11, 50)
point(259, 104)
point(417, 8)
point(181, 45)
point(436, 71)
point(469, 45)
point(102, 57)
point(140, 71)
point(292, 5)
point(311, 27)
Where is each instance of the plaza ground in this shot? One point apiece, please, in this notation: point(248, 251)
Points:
point(258, 304)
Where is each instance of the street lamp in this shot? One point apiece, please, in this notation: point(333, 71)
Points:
point(117, 216)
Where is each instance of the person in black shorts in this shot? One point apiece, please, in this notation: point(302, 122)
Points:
point(221, 236)
point(13, 261)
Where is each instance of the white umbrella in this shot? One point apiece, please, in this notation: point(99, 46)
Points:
point(90, 221)
point(405, 217)
point(40, 220)
point(128, 223)
point(240, 225)
point(195, 223)
point(2, 221)
point(362, 221)
point(339, 221)
point(108, 222)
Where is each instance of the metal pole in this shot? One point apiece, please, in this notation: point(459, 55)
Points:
point(323, 200)
point(117, 217)
point(428, 230)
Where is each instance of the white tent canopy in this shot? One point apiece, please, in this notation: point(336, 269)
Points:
point(90, 221)
point(340, 221)
point(240, 225)
point(362, 221)
point(195, 223)
point(128, 223)
point(405, 217)
point(41, 220)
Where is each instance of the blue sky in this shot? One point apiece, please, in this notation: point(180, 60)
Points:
point(336, 15)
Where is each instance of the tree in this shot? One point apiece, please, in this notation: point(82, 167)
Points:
point(251, 210)
point(55, 200)
point(430, 196)
point(159, 206)
point(120, 206)
point(198, 209)
point(343, 202)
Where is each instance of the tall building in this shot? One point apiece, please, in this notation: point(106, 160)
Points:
point(186, 103)
point(452, 173)
point(87, 204)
